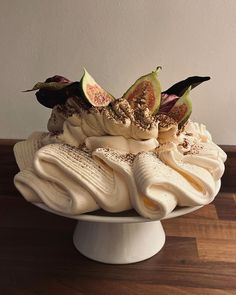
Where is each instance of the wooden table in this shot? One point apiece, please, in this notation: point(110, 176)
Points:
point(37, 255)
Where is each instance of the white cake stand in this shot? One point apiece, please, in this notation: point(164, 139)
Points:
point(119, 238)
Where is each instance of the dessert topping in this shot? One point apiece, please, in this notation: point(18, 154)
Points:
point(145, 92)
point(94, 93)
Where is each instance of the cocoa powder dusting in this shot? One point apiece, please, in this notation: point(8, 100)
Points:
point(165, 121)
point(185, 143)
point(126, 157)
point(194, 150)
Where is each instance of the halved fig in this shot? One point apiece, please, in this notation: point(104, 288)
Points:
point(145, 92)
point(182, 109)
point(94, 93)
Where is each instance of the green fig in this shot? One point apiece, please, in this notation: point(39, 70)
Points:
point(146, 91)
point(182, 109)
point(94, 93)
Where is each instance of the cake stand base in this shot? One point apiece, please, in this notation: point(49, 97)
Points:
point(119, 243)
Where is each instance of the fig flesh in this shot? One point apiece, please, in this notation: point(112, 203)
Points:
point(182, 109)
point(94, 93)
point(145, 92)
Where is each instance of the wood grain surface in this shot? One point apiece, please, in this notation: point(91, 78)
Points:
point(37, 255)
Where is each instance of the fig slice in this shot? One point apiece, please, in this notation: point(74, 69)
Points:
point(179, 88)
point(145, 92)
point(182, 109)
point(94, 93)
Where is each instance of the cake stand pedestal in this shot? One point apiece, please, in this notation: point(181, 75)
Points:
point(116, 239)
point(119, 243)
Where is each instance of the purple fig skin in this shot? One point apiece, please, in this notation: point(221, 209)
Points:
point(180, 87)
point(50, 98)
point(57, 78)
point(167, 102)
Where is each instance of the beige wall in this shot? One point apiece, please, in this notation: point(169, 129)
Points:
point(118, 41)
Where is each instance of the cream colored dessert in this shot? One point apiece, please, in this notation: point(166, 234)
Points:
point(116, 158)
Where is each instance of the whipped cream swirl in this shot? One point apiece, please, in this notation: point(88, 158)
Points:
point(72, 123)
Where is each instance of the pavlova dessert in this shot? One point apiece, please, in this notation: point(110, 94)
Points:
point(140, 151)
